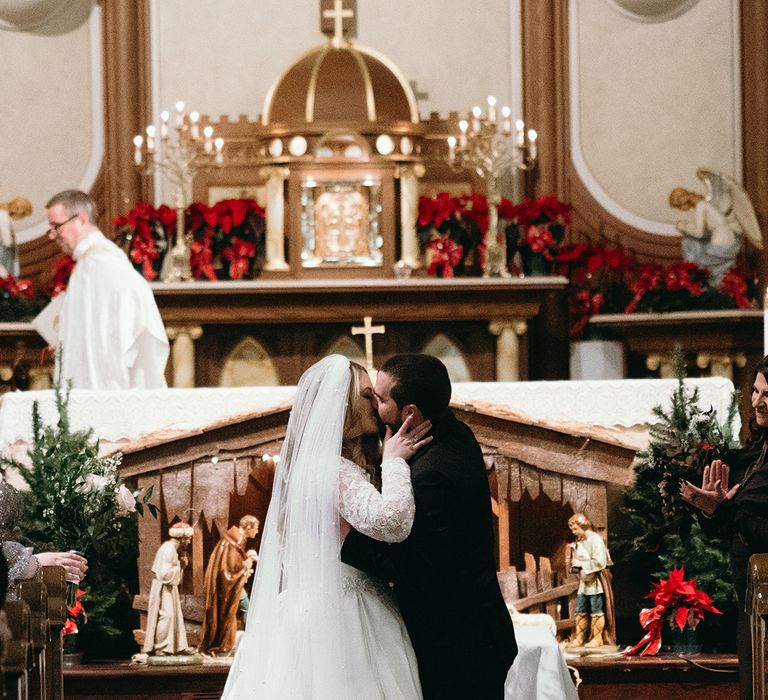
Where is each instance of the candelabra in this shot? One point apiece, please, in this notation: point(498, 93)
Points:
point(178, 151)
point(489, 145)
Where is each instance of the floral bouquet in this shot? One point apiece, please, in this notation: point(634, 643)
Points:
point(77, 501)
point(536, 230)
point(599, 281)
point(685, 286)
point(451, 231)
point(677, 602)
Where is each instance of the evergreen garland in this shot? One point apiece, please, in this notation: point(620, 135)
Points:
point(658, 531)
point(77, 501)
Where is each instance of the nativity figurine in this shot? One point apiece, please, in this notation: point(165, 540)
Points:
point(228, 570)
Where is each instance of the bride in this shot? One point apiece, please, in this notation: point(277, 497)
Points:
point(318, 629)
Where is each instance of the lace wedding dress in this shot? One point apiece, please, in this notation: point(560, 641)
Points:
point(318, 629)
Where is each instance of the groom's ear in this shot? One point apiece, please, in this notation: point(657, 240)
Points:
point(411, 409)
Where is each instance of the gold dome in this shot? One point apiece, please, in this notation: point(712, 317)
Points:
point(345, 84)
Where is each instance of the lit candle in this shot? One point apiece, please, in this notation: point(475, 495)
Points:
point(179, 113)
point(137, 142)
point(492, 109)
point(194, 130)
point(164, 117)
point(506, 124)
point(532, 136)
point(150, 138)
point(208, 143)
point(219, 143)
point(476, 113)
point(520, 132)
point(451, 148)
point(463, 126)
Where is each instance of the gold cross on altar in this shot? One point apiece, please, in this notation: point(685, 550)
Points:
point(338, 15)
point(368, 331)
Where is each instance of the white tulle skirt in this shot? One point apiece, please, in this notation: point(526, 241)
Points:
point(383, 665)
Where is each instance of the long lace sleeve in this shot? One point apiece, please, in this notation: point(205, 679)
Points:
point(17, 556)
point(386, 516)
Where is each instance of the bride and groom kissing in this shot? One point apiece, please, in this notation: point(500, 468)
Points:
point(376, 576)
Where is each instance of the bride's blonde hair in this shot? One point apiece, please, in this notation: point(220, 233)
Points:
point(362, 449)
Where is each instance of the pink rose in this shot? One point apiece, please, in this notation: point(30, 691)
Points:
point(125, 500)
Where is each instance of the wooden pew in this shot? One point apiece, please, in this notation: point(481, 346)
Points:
point(18, 653)
point(36, 617)
point(757, 608)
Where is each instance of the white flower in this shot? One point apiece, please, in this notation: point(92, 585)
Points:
point(93, 482)
point(125, 500)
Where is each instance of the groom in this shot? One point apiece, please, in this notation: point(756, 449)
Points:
point(444, 572)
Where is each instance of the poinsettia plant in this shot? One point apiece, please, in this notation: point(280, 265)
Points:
point(537, 226)
point(676, 602)
point(17, 299)
point(599, 278)
point(227, 239)
point(451, 231)
point(684, 286)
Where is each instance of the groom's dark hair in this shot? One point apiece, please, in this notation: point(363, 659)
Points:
point(419, 379)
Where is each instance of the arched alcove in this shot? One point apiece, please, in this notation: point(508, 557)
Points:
point(249, 364)
point(347, 347)
point(442, 347)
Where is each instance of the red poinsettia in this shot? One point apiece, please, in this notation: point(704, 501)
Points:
point(537, 227)
point(434, 211)
point(444, 256)
point(239, 254)
point(547, 209)
point(62, 271)
point(16, 287)
point(735, 286)
point(676, 601)
point(231, 230)
point(599, 281)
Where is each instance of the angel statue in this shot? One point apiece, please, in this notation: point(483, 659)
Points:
point(722, 217)
point(17, 208)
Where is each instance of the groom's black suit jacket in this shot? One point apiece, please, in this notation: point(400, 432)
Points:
point(445, 573)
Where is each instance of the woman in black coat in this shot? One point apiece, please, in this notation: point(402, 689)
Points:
point(734, 492)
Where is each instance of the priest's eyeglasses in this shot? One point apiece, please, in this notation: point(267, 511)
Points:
point(55, 228)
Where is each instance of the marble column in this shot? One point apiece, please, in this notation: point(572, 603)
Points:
point(183, 354)
point(409, 210)
point(509, 334)
point(275, 252)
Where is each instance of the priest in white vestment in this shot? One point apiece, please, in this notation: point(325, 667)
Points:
point(109, 328)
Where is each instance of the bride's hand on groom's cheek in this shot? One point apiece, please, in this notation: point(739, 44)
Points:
point(406, 441)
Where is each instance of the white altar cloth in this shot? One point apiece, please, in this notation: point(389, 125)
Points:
point(613, 402)
point(121, 417)
point(539, 671)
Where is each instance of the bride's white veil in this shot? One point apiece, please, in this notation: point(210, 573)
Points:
point(294, 645)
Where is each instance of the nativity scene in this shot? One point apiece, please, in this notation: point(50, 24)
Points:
point(339, 329)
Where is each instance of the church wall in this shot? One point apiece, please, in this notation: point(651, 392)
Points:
point(51, 128)
point(455, 53)
point(652, 102)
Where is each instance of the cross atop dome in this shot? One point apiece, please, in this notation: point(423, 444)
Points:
point(338, 20)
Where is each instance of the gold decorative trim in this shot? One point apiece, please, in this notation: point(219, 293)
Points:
point(309, 114)
point(370, 99)
point(412, 105)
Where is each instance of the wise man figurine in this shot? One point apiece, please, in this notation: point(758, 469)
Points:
point(165, 633)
